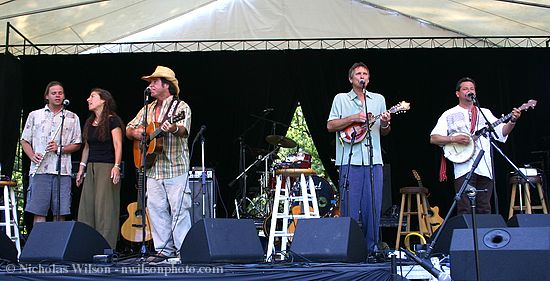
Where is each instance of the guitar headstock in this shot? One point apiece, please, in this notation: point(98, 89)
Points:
point(400, 107)
point(417, 177)
point(528, 104)
point(177, 117)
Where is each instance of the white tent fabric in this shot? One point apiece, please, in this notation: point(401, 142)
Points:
point(86, 21)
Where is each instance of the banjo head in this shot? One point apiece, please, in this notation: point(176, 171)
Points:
point(459, 153)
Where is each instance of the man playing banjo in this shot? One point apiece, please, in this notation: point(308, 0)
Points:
point(454, 130)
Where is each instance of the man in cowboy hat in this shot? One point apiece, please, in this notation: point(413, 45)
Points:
point(168, 193)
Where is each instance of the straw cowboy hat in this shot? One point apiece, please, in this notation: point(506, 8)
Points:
point(164, 72)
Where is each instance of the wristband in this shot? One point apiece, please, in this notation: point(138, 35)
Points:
point(177, 129)
point(117, 166)
point(82, 164)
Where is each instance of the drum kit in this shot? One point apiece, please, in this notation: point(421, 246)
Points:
point(291, 168)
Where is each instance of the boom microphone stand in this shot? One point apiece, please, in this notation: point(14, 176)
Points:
point(489, 132)
point(465, 186)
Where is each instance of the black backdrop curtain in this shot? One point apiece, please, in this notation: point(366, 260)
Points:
point(10, 110)
point(224, 88)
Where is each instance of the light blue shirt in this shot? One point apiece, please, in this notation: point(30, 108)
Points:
point(346, 104)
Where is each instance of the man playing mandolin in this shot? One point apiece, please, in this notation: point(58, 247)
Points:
point(348, 109)
point(168, 193)
point(456, 127)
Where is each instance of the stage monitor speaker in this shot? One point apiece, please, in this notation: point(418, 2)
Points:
point(529, 220)
point(464, 221)
point(63, 241)
point(8, 251)
point(222, 240)
point(328, 240)
point(197, 198)
point(514, 253)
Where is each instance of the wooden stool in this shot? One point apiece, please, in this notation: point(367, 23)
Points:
point(525, 195)
point(424, 227)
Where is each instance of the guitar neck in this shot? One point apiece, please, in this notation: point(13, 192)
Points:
point(155, 134)
point(502, 119)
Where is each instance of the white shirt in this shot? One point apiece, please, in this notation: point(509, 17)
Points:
point(457, 120)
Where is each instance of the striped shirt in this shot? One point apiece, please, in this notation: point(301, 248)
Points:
point(174, 159)
point(43, 126)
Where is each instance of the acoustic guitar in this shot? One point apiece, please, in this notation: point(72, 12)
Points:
point(360, 128)
point(434, 219)
point(460, 153)
point(132, 228)
point(154, 140)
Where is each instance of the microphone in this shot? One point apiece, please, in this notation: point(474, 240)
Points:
point(471, 95)
point(147, 94)
point(66, 102)
point(268, 110)
point(201, 132)
point(441, 276)
point(362, 83)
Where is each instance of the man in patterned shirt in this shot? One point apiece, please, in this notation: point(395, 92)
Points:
point(40, 141)
point(456, 125)
point(168, 193)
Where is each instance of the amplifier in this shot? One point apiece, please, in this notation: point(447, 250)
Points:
point(197, 174)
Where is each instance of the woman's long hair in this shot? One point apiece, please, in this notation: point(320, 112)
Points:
point(109, 110)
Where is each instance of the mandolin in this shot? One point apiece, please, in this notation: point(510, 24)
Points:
point(434, 219)
point(154, 140)
point(360, 128)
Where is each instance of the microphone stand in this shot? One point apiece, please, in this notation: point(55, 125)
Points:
point(203, 179)
point(144, 144)
point(371, 172)
point(346, 177)
point(59, 156)
point(492, 136)
point(451, 209)
point(490, 130)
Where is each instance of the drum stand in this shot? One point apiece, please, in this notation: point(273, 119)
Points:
point(244, 173)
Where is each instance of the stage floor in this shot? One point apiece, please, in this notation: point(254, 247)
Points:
point(135, 270)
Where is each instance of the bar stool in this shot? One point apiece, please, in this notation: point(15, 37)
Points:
point(525, 200)
point(421, 212)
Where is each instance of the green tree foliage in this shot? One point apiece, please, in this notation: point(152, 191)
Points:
point(299, 132)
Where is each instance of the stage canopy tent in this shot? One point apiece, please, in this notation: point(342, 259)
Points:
point(85, 21)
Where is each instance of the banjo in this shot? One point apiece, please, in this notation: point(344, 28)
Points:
point(460, 153)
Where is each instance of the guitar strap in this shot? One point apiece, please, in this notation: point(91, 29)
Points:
point(473, 122)
point(171, 109)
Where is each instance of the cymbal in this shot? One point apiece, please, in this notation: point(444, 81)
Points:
point(281, 141)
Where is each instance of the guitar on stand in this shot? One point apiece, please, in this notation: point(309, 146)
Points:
point(434, 219)
point(460, 153)
point(132, 228)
